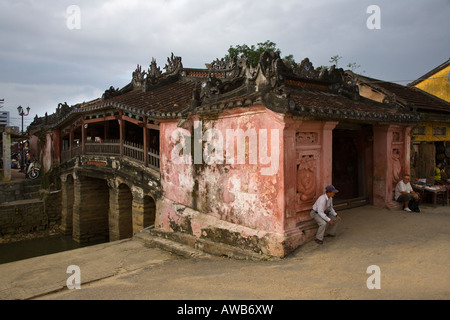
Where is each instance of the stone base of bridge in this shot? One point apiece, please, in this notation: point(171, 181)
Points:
point(100, 210)
point(215, 236)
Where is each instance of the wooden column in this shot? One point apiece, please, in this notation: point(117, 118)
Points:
point(145, 132)
point(71, 141)
point(391, 160)
point(327, 154)
point(56, 145)
point(122, 132)
point(83, 136)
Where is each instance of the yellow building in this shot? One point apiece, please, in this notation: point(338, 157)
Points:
point(430, 137)
point(436, 82)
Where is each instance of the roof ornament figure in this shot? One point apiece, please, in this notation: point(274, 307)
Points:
point(222, 64)
point(210, 87)
point(173, 64)
point(154, 72)
point(138, 77)
point(110, 93)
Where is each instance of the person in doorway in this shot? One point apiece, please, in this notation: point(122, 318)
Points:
point(437, 172)
point(440, 176)
point(325, 216)
point(405, 194)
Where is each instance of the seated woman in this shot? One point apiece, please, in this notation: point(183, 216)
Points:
point(440, 176)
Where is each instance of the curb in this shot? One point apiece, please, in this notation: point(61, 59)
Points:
point(189, 246)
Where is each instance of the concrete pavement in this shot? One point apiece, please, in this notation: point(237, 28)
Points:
point(411, 251)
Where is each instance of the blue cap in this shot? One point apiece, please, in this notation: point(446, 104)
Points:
point(331, 188)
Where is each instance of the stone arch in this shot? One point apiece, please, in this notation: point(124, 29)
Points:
point(124, 205)
point(149, 211)
point(90, 210)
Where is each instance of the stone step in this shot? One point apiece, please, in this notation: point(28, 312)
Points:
point(20, 190)
point(21, 202)
point(31, 195)
point(189, 246)
point(180, 249)
point(22, 216)
point(31, 189)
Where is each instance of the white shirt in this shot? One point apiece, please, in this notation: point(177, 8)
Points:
point(322, 205)
point(402, 187)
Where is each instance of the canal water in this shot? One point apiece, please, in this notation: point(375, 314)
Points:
point(10, 252)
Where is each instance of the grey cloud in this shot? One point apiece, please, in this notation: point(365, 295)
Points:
point(55, 64)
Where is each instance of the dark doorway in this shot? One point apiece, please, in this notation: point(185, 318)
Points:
point(352, 146)
point(91, 210)
point(125, 207)
point(149, 211)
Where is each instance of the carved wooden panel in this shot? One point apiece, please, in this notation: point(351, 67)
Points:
point(439, 131)
point(307, 138)
point(419, 131)
point(308, 170)
point(396, 166)
point(396, 136)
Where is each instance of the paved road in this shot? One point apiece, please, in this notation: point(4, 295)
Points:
point(411, 251)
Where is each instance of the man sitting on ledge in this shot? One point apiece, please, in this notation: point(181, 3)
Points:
point(324, 214)
point(405, 194)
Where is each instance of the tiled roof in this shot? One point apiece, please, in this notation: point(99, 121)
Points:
point(170, 98)
point(423, 101)
point(430, 73)
point(301, 91)
point(327, 105)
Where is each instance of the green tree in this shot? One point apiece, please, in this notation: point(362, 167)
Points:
point(353, 66)
point(253, 53)
point(335, 59)
point(289, 61)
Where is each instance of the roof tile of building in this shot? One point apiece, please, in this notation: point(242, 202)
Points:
point(423, 101)
point(299, 90)
point(430, 73)
point(171, 98)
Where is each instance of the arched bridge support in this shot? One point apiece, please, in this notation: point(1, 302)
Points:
point(101, 205)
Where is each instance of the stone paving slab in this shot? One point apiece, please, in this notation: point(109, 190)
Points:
point(30, 278)
point(410, 249)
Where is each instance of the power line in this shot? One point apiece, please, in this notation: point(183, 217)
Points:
point(394, 81)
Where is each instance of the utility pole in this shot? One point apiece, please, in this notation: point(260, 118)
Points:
point(22, 114)
point(5, 142)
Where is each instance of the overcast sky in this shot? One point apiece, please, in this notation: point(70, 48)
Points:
point(46, 59)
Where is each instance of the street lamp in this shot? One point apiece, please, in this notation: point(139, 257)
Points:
point(22, 114)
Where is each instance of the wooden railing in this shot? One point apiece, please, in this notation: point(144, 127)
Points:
point(66, 155)
point(106, 147)
point(153, 158)
point(131, 150)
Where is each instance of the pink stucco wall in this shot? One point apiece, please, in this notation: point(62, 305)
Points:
point(43, 150)
point(233, 203)
point(391, 160)
point(242, 194)
point(239, 198)
point(308, 170)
